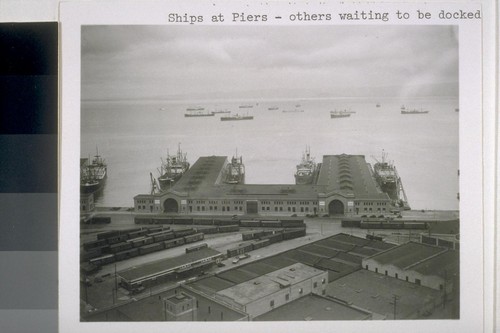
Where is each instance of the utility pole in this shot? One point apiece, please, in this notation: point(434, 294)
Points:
point(115, 294)
point(395, 299)
point(444, 289)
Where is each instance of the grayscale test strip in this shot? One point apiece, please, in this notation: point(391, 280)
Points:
point(28, 186)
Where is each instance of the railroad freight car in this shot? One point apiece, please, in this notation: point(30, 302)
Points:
point(162, 236)
point(100, 220)
point(294, 233)
point(250, 223)
point(137, 242)
point(95, 244)
point(148, 240)
point(351, 223)
point(150, 248)
point(108, 234)
point(99, 261)
point(173, 243)
point(241, 249)
point(121, 237)
point(155, 229)
point(260, 243)
point(224, 222)
point(182, 220)
point(253, 234)
point(138, 233)
point(273, 238)
point(162, 220)
point(94, 253)
point(228, 228)
point(194, 238)
point(119, 247)
point(208, 230)
point(270, 223)
point(127, 254)
point(142, 220)
point(195, 248)
point(183, 232)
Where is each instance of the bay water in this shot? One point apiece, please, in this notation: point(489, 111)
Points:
point(133, 135)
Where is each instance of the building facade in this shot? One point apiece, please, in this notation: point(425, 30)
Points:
point(345, 186)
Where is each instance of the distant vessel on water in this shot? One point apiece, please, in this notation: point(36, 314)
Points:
point(306, 169)
point(340, 114)
point(273, 108)
point(389, 181)
point(246, 106)
point(378, 105)
point(235, 171)
point(172, 169)
point(404, 110)
point(236, 117)
point(92, 175)
point(220, 111)
point(457, 110)
point(199, 113)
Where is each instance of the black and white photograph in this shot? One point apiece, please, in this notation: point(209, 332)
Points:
point(268, 172)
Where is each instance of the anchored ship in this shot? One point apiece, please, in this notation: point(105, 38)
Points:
point(93, 175)
point(306, 169)
point(235, 171)
point(198, 113)
point(389, 181)
point(246, 106)
point(236, 117)
point(172, 169)
point(221, 111)
point(404, 110)
point(195, 108)
point(340, 114)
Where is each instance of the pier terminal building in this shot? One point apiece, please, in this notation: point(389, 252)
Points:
point(344, 185)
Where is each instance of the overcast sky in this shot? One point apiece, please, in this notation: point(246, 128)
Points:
point(195, 62)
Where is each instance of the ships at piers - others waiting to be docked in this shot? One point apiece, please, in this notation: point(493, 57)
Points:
point(92, 175)
point(306, 170)
point(172, 169)
point(389, 181)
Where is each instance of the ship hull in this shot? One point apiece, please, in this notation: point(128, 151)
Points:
point(414, 112)
point(92, 187)
point(234, 118)
point(303, 180)
point(199, 115)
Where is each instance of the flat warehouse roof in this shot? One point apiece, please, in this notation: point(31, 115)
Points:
point(313, 307)
point(406, 254)
point(269, 283)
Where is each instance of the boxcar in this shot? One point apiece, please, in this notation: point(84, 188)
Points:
point(194, 238)
point(151, 248)
point(94, 244)
point(196, 247)
point(228, 228)
point(127, 254)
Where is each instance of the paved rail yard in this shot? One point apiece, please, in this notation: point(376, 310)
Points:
point(208, 250)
